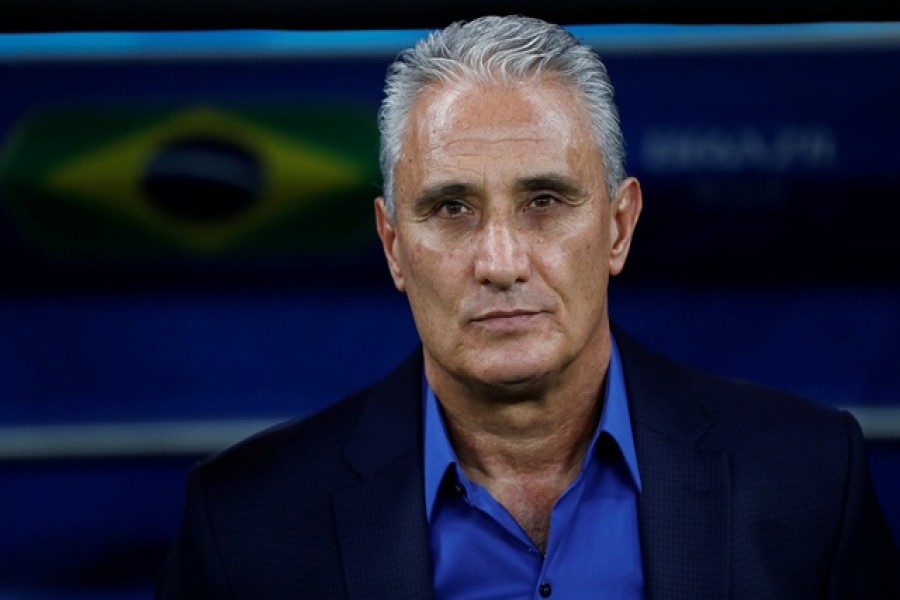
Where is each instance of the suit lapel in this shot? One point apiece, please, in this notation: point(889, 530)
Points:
point(383, 535)
point(685, 502)
point(684, 517)
point(381, 524)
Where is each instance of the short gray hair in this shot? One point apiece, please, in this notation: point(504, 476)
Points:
point(499, 49)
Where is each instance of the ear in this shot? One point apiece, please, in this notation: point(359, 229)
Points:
point(388, 236)
point(626, 209)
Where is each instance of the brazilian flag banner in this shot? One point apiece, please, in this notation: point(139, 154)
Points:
point(193, 183)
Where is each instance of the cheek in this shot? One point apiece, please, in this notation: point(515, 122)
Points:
point(577, 267)
point(424, 256)
point(433, 268)
point(580, 246)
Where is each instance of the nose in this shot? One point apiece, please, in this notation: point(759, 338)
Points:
point(501, 255)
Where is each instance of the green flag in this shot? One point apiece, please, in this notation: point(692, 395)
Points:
point(127, 184)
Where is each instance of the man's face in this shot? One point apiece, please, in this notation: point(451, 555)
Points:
point(504, 235)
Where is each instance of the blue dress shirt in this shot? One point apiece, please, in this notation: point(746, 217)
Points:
point(593, 548)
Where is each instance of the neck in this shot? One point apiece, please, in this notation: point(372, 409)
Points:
point(526, 449)
point(524, 444)
point(535, 433)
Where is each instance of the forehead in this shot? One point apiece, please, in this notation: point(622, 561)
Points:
point(444, 109)
point(512, 125)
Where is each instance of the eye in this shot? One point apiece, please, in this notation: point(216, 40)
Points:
point(543, 201)
point(451, 209)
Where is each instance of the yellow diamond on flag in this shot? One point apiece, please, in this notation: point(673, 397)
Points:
point(113, 177)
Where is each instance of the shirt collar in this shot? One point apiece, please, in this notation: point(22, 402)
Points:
point(615, 421)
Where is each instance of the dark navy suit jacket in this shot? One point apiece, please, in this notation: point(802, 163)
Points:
point(747, 493)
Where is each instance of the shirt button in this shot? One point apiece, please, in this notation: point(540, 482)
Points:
point(459, 489)
point(545, 590)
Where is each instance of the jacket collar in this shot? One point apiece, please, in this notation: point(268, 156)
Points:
point(685, 504)
point(380, 519)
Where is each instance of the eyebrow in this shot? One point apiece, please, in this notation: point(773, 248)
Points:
point(550, 181)
point(439, 192)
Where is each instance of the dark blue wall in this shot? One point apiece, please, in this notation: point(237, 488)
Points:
point(766, 251)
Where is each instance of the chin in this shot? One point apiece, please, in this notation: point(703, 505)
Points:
point(513, 378)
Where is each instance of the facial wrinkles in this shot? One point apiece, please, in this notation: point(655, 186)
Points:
point(486, 141)
point(445, 115)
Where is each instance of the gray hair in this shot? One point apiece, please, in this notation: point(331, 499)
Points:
point(499, 49)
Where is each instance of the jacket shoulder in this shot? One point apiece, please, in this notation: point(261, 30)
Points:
point(673, 397)
point(314, 448)
point(302, 443)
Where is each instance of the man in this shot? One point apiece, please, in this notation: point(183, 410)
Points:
point(526, 450)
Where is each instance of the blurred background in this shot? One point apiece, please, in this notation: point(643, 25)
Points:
point(188, 251)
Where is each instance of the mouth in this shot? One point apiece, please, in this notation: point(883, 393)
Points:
point(506, 319)
point(506, 314)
